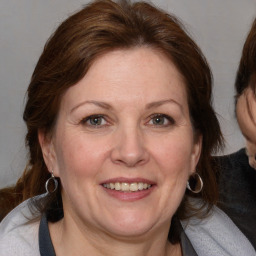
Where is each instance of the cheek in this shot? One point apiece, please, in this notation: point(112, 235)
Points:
point(78, 156)
point(174, 155)
point(174, 162)
point(176, 147)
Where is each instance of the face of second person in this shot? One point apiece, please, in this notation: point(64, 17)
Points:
point(247, 123)
point(123, 144)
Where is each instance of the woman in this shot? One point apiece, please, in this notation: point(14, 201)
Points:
point(238, 169)
point(119, 123)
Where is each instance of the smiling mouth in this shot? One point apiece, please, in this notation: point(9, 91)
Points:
point(127, 187)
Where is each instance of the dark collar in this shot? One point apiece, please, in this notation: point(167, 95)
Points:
point(186, 246)
point(45, 242)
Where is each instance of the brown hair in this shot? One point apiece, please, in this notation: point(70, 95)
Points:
point(246, 73)
point(100, 27)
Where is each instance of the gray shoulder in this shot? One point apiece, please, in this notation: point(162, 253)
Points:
point(217, 235)
point(18, 234)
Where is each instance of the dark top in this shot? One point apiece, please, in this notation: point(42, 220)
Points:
point(46, 247)
point(237, 188)
point(45, 242)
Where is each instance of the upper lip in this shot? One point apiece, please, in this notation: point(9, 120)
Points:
point(128, 180)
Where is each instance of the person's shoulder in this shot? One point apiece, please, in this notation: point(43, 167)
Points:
point(234, 166)
point(217, 235)
point(19, 231)
point(233, 158)
point(234, 169)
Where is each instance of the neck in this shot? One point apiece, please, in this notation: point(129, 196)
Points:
point(70, 237)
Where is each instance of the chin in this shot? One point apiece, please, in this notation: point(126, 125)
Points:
point(129, 225)
point(129, 232)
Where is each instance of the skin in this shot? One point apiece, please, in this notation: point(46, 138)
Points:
point(144, 132)
point(246, 104)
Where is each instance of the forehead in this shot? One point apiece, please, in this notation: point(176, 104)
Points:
point(246, 115)
point(141, 73)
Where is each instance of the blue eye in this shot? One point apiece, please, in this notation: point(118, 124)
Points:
point(94, 120)
point(161, 120)
point(158, 120)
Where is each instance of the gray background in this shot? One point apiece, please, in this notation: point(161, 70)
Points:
point(218, 26)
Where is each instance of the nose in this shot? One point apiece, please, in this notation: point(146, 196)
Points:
point(129, 149)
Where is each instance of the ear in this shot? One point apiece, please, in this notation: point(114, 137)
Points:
point(47, 147)
point(196, 152)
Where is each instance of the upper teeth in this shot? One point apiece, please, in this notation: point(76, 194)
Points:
point(123, 186)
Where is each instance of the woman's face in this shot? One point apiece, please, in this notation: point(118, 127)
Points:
point(123, 144)
point(246, 116)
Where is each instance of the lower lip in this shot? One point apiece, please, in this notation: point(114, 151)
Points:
point(129, 196)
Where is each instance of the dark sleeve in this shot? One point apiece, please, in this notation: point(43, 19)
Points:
point(237, 191)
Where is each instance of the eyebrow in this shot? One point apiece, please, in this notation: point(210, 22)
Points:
point(94, 102)
point(108, 106)
point(162, 102)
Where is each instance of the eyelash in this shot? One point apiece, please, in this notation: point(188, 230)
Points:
point(85, 121)
point(170, 120)
point(90, 119)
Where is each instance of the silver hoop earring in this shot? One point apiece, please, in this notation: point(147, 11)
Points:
point(196, 183)
point(47, 183)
